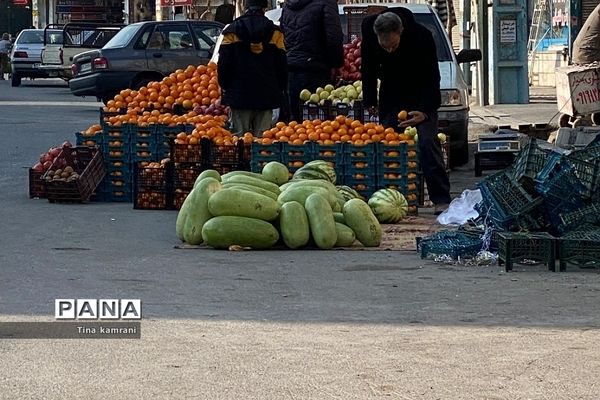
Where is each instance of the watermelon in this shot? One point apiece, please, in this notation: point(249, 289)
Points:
point(388, 205)
point(363, 222)
point(222, 232)
point(194, 212)
point(276, 172)
point(348, 193)
point(317, 169)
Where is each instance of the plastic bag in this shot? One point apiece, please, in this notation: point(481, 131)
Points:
point(461, 209)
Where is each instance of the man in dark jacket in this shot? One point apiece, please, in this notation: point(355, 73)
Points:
point(252, 69)
point(314, 43)
point(402, 54)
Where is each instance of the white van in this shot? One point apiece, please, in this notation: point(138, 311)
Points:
point(454, 112)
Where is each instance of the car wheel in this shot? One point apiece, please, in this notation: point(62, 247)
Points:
point(15, 80)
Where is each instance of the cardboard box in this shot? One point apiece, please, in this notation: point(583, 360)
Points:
point(578, 89)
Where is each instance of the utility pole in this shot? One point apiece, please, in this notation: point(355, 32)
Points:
point(483, 37)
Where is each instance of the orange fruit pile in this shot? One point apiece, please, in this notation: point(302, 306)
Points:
point(211, 127)
point(341, 130)
point(189, 87)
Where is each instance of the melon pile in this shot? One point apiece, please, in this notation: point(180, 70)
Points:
point(260, 211)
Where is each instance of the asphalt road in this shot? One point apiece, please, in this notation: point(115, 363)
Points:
point(269, 324)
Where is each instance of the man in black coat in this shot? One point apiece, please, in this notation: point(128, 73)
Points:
point(402, 54)
point(314, 44)
point(252, 69)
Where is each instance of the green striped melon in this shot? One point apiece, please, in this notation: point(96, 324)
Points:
point(348, 193)
point(317, 169)
point(388, 205)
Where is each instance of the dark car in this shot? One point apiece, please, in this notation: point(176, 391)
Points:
point(141, 53)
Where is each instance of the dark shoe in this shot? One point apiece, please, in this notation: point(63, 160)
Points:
point(440, 208)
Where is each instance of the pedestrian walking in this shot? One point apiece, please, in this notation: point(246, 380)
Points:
point(314, 43)
point(252, 69)
point(586, 47)
point(5, 46)
point(402, 54)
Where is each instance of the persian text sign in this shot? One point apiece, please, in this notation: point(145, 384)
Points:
point(578, 90)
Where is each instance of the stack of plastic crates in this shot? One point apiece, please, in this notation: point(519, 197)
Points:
point(295, 157)
point(332, 154)
point(528, 163)
point(152, 187)
point(514, 247)
point(165, 136)
point(397, 168)
point(506, 205)
point(360, 171)
point(224, 158)
point(116, 149)
point(561, 190)
point(188, 162)
point(91, 141)
point(586, 163)
point(579, 247)
point(454, 244)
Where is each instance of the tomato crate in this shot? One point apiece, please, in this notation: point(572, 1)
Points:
point(580, 248)
point(507, 205)
point(311, 111)
point(37, 187)
point(296, 156)
point(151, 199)
point(574, 220)
point(179, 196)
point(514, 247)
point(87, 163)
point(152, 177)
point(183, 153)
point(333, 154)
point(262, 154)
point(89, 141)
point(185, 174)
point(225, 158)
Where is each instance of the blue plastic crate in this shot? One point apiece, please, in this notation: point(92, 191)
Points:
point(333, 154)
point(365, 187)
point(90, 141)
point(507, 205)
point(296, 156)
point(112, 132)
point(530, 160)
point(262, 154)
point(576, 219)
point(312, 111)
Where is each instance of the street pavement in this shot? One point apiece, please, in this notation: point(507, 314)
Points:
point(266, 324)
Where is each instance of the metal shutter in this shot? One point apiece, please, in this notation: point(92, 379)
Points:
point(587, 6)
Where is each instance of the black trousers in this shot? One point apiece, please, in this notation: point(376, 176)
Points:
point(430, 154)
point(299, 80)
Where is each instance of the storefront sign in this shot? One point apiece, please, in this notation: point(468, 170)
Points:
point(508, 31)
point(175, 3)
point(20, 2)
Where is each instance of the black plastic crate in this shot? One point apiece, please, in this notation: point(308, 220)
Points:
point(576, 219)
point(185, 174)
point(179, 196)
point(223, 155)
point(311, 111)
point(579, 247)
point(449, 243)
point(151, 199)
point(514, 247)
